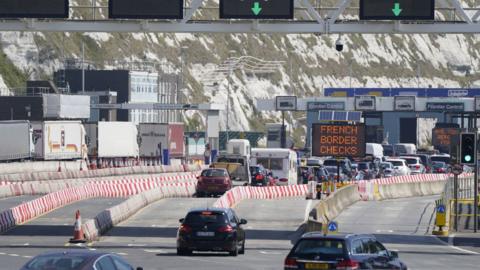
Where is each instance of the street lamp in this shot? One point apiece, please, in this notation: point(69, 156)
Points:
point(230, 53)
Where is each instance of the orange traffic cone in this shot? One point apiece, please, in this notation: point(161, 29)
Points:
point(78, 236)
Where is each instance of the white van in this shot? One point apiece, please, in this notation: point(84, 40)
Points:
point(402, 149)
point(375, 150)
point(281, 162)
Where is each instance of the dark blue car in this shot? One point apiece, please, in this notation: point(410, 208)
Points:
point(352, 251)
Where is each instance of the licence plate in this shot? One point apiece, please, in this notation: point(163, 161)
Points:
point(316, 266)
point(205, 233)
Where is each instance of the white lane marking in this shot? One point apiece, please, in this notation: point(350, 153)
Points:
point(454, 247)
point(307, 209)
point(159, 251)
point(2, 253)
point(137, 245)
point(28, 257)
point(13, 255)
point(269, 252)
point(92, 249)
point(122, 253)
point(383, 231)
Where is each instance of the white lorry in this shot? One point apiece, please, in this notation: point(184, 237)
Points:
point(59, 140)
point(112, 140)
point(153, 139)
point(16, 142)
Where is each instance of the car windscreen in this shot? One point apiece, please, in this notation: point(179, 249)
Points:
point(396, 163)
point(57, 262)
point(271, 163)
point(214, 173)
point(204, 217)
point(445, 159)
point(320, 249)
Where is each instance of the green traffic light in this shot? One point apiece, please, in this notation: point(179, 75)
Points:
point(468, 158)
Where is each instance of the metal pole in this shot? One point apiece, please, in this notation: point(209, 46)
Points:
point(228, 104)
point(455, 196)
point(282, 132)
point(83, 67)
point(475, 194)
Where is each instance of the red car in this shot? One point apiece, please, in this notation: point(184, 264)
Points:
point(213, 182)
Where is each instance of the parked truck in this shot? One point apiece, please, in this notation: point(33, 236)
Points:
point(112, 140)
point(59, 140)
point(16, 140)
point(236, 160)
point(153, 139)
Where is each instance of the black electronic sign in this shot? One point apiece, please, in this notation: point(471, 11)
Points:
point(338, 140)
point(397, 9)
point(145, 9)
point(256, 9)
point(33, 9)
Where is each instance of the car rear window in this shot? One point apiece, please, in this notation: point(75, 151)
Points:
point(411, 160)
point(254, 170)
point(363, 166)
point(323, 249)
point(204, 217)
point(332, 162)
point(57, 262)
point(445, 159)
point(396, 163)
point(214, 173)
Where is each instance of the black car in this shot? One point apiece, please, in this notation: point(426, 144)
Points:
point(78, 260)
point(258, 176)
point(211, 229)
point(352, 251)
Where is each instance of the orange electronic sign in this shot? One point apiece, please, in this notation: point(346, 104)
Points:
point(338, 140)
point(443, 138)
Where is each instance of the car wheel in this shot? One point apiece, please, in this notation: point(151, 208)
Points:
point(242, 251)
point(234, 252)
point(183, 252)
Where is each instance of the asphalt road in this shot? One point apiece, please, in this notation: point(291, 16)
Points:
point(148, 238)
point(406, 225)
point(55, 228)
point(7, 203)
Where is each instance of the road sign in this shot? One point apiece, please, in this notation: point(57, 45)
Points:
point(338, 140)
point(397, 10)
point(34, 9)
point(256, 9)
point(441, 217)
point(457, 169)
point(332, 227)
point(441, 208)
point(286, 103)
point(145, 9)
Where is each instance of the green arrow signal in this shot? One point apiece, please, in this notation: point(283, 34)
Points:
point(397, 9)
point(256, 8)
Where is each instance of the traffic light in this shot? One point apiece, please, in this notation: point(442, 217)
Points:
point(468, 148)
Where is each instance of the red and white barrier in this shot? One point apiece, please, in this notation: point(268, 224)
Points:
point(237, 194)
point(29, 210)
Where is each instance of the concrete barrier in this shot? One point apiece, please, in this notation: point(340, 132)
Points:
point(108, 218)
point(39, 166)
point(328, 209)
point(237, 194)
point(403, 190)
point(76, 174)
